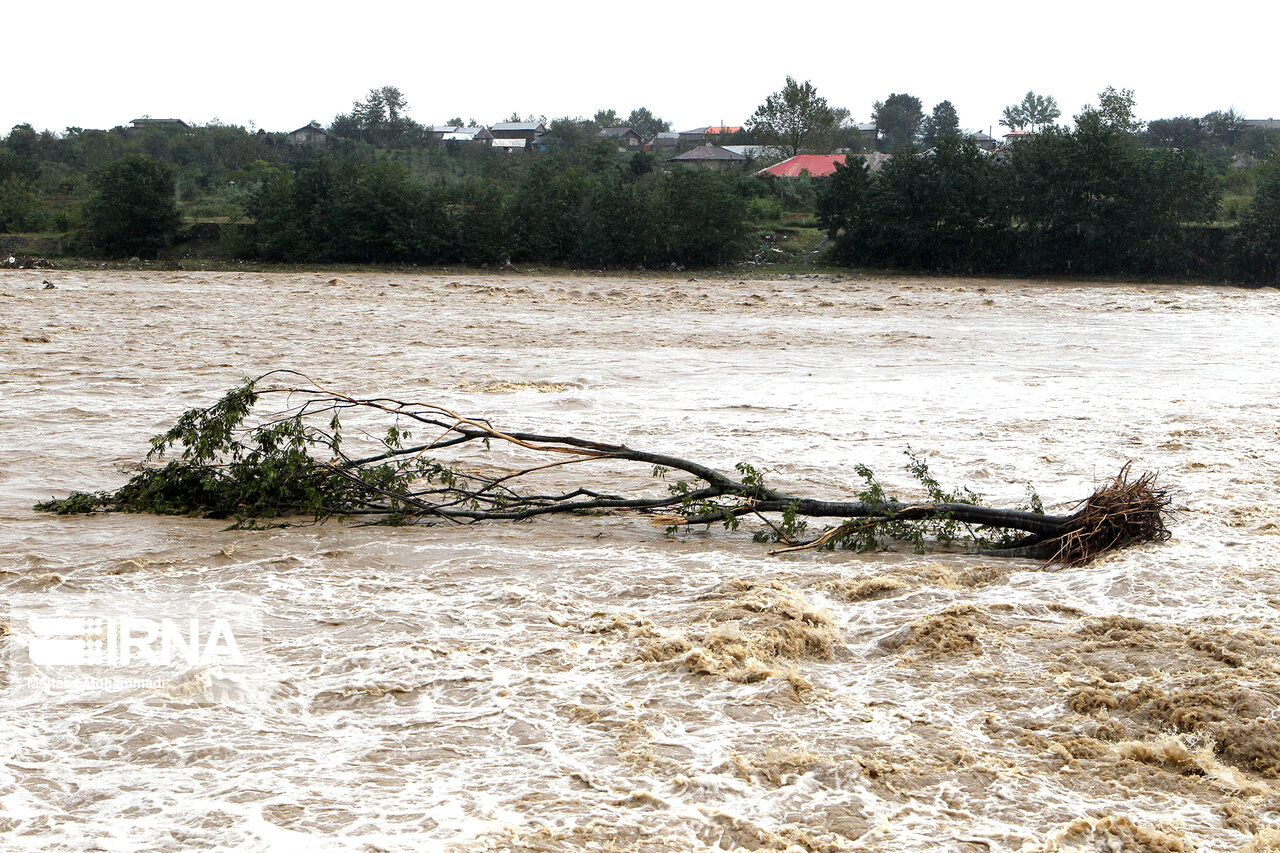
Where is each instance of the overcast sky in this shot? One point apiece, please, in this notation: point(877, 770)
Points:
point(278, 66)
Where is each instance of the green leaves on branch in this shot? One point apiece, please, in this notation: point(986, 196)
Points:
point(238, 459)
point(282, 466)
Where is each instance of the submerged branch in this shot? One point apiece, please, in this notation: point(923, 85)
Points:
point(291, 461)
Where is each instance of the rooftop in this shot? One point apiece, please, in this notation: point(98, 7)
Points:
point(817, 165)
point(708, 152)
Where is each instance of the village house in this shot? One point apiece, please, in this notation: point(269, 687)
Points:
point(146, 123)
point(624, 136)
point(309, 135)
point(665, 142)
point(750, 151)
point(819, 165)
point(703, 135)
point(870, 134)
point(529, 131)
point(458, 133)
point(509, 144)
point(708, 156)
point(814, 165)
point(985, 141)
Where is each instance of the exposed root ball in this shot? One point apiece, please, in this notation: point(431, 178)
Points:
point(1118, 514)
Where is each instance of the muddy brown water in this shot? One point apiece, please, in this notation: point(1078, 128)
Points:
point(593, 683)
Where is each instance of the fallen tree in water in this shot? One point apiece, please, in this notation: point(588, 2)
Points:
point(229, 461)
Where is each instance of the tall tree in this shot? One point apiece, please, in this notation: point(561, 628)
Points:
point(132, 210)
point(645, 123)
point(379, 119)
point(942, 122)
point(1034, 111)
point(898, 119)
point(606, 118)
point(794, 118)
point(1115, 109)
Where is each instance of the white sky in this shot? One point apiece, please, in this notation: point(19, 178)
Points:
point(278, 66)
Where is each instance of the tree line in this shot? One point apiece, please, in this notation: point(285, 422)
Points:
point(600, 212)
point(1110, 196)
point(1092, 200)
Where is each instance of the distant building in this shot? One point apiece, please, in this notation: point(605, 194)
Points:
point(666, 142)
point(310, 135)
point(624, 136)
point(529, 131)
point(751, 150)
point(709, 156)
point(458, 133)
point(509, 144)
point(984, 140)
point(814, 165)
point(702, 135)
point(1264, 123)
point(146, 122)
point(821, 165)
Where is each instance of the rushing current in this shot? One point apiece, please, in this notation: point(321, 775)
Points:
point(595, 683)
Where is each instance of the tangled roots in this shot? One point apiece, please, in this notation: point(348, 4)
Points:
point(1119, 513)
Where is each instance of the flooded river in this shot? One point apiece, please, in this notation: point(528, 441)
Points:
point(592, 683)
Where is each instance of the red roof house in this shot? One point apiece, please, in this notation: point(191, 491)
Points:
point(817, 165)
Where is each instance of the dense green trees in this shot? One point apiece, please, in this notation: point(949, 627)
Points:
point(1087, 201)
point(19, 202)
point(1104, 198)
point(19, 206)
point(1218, 135)
point(1093, 200)
point(132, 210)
point(569, 132)
point(898, 118)
point(560, 209)
point(793, 119)
point(941, 211)
point(1258, 249)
